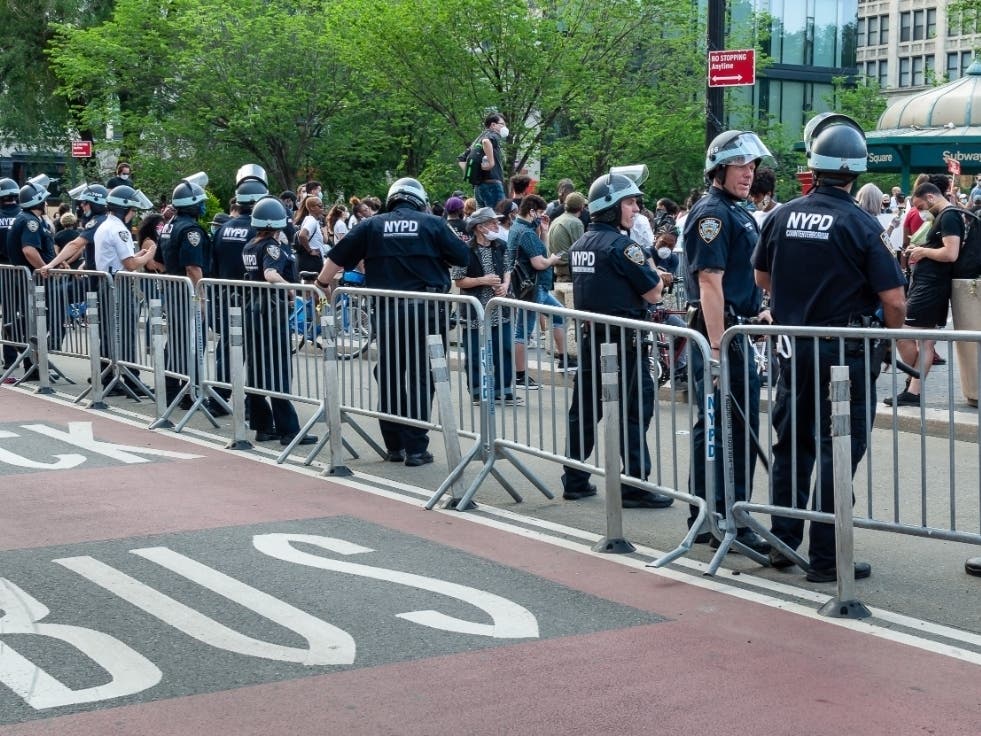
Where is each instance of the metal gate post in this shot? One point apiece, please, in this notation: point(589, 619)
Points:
point(236, 356)
point(95, 352)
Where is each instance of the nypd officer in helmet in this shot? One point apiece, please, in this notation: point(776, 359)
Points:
point(611, 275)
point(826, 263)
point(719, 237)
point(405, 249)
point(9, 209)
point(184, 250)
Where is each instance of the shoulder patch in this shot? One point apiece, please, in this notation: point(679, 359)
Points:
point(90, 224)
point(273, 251)
point(634, 254)
point(123, 235)
point(709, 228)
point(32, 225)
point(194, 238)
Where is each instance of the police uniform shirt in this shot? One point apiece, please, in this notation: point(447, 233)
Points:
point(113, 244)
point(183, 243)
point(403, 250)
point(29, 231)
point(610, 273)
point(7, 216)
point(261, 255)
point(720, 234)
point(227, 246)
point(87, 234)
point(827, 259)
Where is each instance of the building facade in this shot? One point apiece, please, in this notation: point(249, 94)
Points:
point(911, 45)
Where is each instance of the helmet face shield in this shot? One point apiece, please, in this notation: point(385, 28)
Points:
point(735, 148)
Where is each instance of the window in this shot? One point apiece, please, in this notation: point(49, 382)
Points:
point(929, 69)
point(871, 69)
point(953, 66)
point(873, 30)
point(966, 58)
point(883, 74)
point(883, 29)
point(904, 72)
point(905, 22)
point(917, 71)
point(931, 23)
point(861, 35)
point(918, 25)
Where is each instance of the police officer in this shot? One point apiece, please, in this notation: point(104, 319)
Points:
point(818, 245)
point(405, 249)
point(228, 242)
point(30, 243)
point(719, 239)
point(9, 209)
point(612, 275)
point(265, 260)
point(184, 250)
point(92, 200)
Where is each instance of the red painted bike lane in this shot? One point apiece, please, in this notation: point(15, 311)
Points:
point(613, 648)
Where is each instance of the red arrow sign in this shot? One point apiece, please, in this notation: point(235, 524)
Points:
point(734, 68)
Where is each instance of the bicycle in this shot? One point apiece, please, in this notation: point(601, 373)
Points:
point(353, 328)
point(668, 361)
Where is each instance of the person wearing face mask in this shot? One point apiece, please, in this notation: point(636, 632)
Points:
point(123, 177)
point(612, 275)
point(490, 190)
point(565, 230)
point(932, 251)
point(719, 238)
point(487, 275)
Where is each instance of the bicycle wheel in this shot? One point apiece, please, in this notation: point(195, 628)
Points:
point(353, 331)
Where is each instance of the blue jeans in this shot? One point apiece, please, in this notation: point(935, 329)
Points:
point(489, 193)
point(526, 319)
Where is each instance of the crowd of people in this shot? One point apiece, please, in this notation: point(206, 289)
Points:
point(885, 257)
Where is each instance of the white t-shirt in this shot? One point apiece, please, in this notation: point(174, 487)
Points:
point(312, 228)
point(340, 230)
point(113, 244)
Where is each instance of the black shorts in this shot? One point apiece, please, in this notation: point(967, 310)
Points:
point(928, 301)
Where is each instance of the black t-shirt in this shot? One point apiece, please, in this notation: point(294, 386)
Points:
point(404, 250)
point(827, 258)
point(949, 222)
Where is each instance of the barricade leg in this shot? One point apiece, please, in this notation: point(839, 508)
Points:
point(845, 604)
point(95, 353)
point(236, 358)
point(39, 342)
point(332, 401)
point(158, 341)
point(614, 541)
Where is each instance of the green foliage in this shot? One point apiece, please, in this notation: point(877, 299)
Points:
point(863, 102)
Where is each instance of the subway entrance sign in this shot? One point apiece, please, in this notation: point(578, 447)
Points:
point(732, 68)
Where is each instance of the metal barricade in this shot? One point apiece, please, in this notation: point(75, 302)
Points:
point(389, 371)
point(916, 468)
point(70, 326)
point(283, 347)
point(16, 319)
point(552, 413)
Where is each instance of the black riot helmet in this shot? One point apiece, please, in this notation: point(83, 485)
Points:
point(8, 189)
point(836, 148)
point(124, 198)
point(250, 191)
point(605, 195)
point(32, 196)
point(269, 214)
point(733, 148)
point(188, 198)
point(95, 195)
point(407, 190)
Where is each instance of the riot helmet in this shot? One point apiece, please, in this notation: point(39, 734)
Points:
point(250, 191)
point(251, 172)
point(32, 195)
point(605, 195)
point(8, 189)
point(407, 190)
point(836, 146)
point(269, 214)
point(95, 195)
point(188, 198)
point(733, 148)
point(124, 197)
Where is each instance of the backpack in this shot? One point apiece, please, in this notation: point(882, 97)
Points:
point(472, 158)
point(968, 263)
point(524, 279)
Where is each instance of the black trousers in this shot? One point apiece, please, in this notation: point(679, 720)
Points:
point(404, 380)
point(636, 407)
